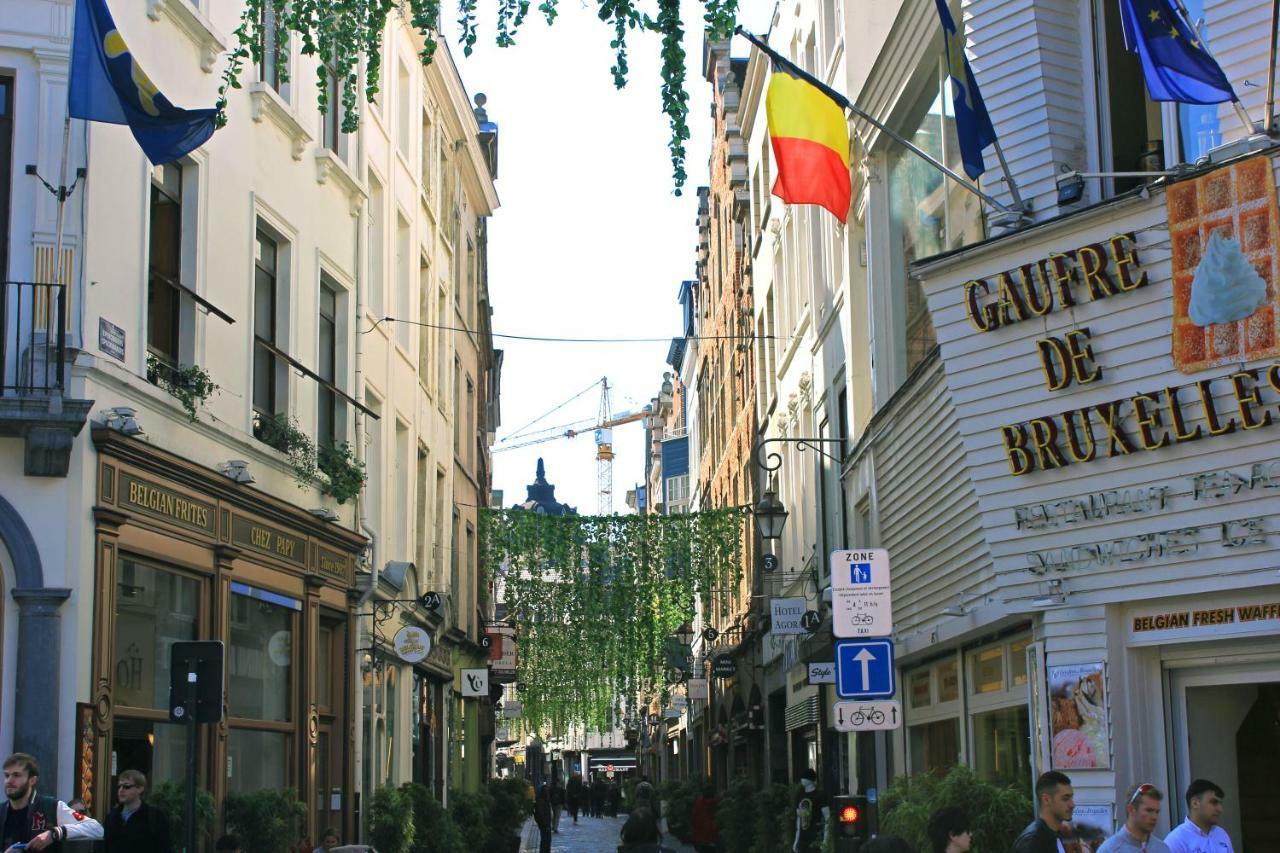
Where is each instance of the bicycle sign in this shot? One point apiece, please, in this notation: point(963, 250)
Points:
point(866, 716)
point(860, 603)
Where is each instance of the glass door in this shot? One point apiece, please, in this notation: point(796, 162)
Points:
point(1225, 729)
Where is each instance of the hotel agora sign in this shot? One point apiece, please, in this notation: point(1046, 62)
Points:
point(1147, 420)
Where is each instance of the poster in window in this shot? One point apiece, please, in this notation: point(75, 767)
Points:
point(1078, 717)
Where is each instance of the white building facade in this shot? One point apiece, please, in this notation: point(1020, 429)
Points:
point(266, 258)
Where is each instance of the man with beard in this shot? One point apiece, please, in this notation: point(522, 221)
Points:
point(37, 820)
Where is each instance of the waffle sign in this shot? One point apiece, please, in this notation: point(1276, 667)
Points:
point(1224, 233)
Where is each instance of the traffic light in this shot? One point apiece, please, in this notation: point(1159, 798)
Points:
point(852, 820)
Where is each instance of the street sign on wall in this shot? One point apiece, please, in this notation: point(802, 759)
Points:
point(860, 603)
point(822, 673)
point(864, 669)
point(785, 615)
point(866, 716)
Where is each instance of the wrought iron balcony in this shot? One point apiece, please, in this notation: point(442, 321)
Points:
point(33, 376)
point(33, 330)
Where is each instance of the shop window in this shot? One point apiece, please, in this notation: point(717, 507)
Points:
point(948, 681)
point(260, 679)
point(988, 670)
point(929, 213)
point(257, 760)
point(324, 668)
point(1001, 746)
point(921, 695)
point(154, 609)
point(935, 747)
point(156, 749)
point(1018, 663)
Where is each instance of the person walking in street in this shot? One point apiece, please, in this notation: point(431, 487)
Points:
point(573, 795)
point(1143, 813)
point(557, 802)
point(328, 841)
point(36, 820)
point(597, 797)
point(542, 817)
point(134, 826)
point(641, 833)
point(706, 835)
point(813, 814)
point(228, 844)
point(949, 831)
point(1200, 832)
point(1055, 800)
point(613, 799)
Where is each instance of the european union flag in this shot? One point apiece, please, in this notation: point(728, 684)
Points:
point(1175, 61)
point(973, 122)
point(108, 85)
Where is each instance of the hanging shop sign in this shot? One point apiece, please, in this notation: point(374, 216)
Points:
point(822, 673)
point(431, 601)
point(412, 644)
point(502, 651)
point(511, 709)
point(769, 562)
point(475, 682)
point(724, 666)
point(811, 620)
point(698, 688)
point(785, 615)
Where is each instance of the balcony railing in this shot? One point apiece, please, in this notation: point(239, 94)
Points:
point(33, 338)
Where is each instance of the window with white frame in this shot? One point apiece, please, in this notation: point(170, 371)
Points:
point(1000, 731)
point(273, 67)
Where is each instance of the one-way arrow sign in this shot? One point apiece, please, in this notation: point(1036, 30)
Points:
point(864, 669)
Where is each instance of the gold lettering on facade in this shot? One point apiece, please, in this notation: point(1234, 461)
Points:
point(167, 504)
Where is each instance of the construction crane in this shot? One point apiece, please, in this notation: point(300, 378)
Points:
point(602, 430)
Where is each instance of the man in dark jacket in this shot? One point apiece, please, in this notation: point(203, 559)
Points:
point(542, 817)
point(1056, 802)
point(133, 826)
point(574, 795)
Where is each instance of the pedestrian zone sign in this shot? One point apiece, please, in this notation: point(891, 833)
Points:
point(860, 602)
point(865, 669)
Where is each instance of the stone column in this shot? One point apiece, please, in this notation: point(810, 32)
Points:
point(37, 705)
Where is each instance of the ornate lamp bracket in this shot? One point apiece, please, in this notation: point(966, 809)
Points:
point(772, 460)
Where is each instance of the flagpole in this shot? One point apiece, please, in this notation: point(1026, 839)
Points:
point(1008, 176)
point(876, 123)
point(1268, 120)
point(63, 194)
point(1249, 127)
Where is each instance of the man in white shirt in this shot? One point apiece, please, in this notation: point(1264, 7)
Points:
point(1200, 832)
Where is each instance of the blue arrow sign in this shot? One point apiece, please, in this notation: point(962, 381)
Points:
point(864, 669)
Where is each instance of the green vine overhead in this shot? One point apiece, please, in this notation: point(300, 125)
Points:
point(346, 34)
point(594, 599)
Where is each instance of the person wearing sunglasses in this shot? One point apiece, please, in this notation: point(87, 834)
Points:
point(1142, 812)
point(1200, 832)
point(134, 826)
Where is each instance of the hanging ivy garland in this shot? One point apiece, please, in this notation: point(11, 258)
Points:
point(341, 33)
point(594, 599)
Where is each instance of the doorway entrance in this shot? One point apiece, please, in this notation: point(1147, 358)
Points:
point(1227, 729)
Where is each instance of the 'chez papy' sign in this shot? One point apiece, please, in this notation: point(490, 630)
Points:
point(1144, 421)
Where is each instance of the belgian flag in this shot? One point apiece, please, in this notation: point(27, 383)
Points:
point(810, 137)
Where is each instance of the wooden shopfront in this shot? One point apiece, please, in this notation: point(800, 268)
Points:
point(184, 553)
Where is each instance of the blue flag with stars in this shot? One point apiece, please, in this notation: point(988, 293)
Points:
point(107, 85)
point(973, 123)
point(1175, 62)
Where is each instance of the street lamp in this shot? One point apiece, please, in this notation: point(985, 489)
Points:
point(685, 634)
point(771, 515)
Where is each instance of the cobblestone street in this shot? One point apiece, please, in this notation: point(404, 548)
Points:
point(590, 835)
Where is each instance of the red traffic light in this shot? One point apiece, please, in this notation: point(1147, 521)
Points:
point(849, 814)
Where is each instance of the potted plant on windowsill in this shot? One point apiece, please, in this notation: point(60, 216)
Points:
point(190, 385)
point(281, 432)
point(346, 474)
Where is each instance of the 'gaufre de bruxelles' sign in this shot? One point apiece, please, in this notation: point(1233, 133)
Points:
point(1148, 420)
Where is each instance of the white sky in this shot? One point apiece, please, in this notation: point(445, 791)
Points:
point(589, 240)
